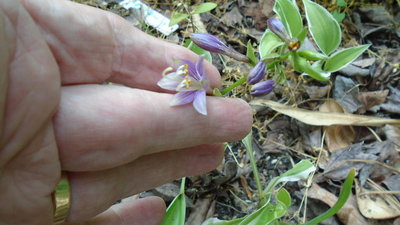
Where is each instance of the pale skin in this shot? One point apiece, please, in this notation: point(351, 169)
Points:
point(113, 140)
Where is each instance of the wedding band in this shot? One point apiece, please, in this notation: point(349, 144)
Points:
point(61, 200)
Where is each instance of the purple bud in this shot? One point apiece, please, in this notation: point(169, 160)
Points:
point(276, 26)
point(213, 44)
point(257, 73)
point(209, 42)
point(262, 88)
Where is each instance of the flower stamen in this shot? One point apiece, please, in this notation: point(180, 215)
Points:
point(167, 70)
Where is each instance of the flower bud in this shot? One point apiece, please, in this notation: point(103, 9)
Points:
point(262, 88)
point(213, 44)
point(209, 42)
point(276, 26)
point(257, 73)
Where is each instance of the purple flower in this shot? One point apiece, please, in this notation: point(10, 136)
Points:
point(257, 73)
point(213, 44)
point(262, 88)
point(276, 26)
point(191, 83)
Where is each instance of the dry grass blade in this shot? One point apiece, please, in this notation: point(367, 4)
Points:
point(325, 118)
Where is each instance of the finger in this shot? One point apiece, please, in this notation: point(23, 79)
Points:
point(93, 192)
point(103, 46)
point(103, 126)
point(146, 211)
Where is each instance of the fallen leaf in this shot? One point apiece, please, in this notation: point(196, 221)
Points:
point(392, 133)
point(386, 153)
point(377, 14)
point(348, 215)
point(232, 17)
point(371, 98)
point(323, 118)
point(199, 213)
point(337, 137)
point(316, 92)
point(364, 62)
point(377, 206)
point(339, 165)
point(345, 92)
point(393, 183)
point(393, 103)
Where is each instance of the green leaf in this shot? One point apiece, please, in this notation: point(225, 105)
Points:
point(311, 54)
point(204, 7)
point(177, 18)
point(301, 65)
point(323, 27)
point(265, 215)
point(343, 57)
point(289, 14)
point(199, 51)
point(341, 3)
point(250, 54)
point(284, 197)
point(343, 196)
point(268, 43)
point(271, 56)
point(339, 16)
point(176, 211)
point(300, 171)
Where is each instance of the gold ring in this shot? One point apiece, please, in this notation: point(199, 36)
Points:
point(61, 200)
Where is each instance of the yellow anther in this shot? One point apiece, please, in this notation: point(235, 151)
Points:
point(294, 45)
point(185, 69)
point(187, 82)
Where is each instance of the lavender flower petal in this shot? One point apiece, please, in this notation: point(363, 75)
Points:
point(199, 102)
point(200, 67)
point(257, 73)
point(169, 82)
point(183, 97)
point(209, 42)
point(276, 26)
point(262, 88)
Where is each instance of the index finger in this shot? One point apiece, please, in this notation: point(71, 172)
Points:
point(92, 46)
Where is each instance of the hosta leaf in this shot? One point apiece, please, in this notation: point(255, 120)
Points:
point(284, 197)
point(269, 42)
point(177, 18)
point(289, 14)
point(204, 7)
point(343, 57)
point(250, 54)
point(323, 27)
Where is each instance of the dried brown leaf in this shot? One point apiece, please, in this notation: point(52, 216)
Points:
point(323, 118)
point(232, 17)
point(199, 213)
point(371, 98)
point(392, 133)
point(337, 137)
point(377, 206)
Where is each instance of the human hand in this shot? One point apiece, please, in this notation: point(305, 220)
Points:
point(112, 140)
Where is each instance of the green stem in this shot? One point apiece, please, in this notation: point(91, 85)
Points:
point(248, 144)
point(343, 196)
point(234, 85)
